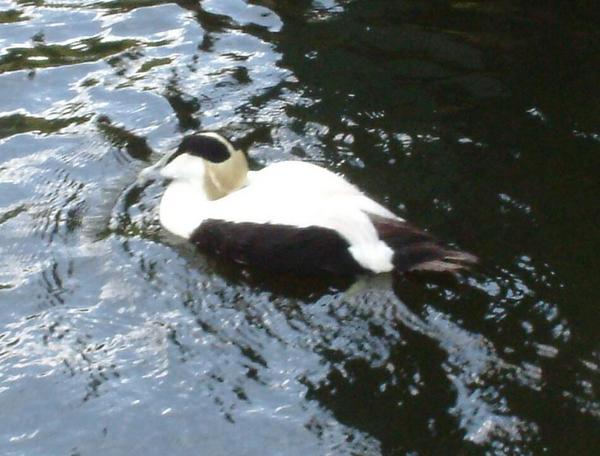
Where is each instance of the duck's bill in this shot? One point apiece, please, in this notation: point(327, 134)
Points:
point(153, 172)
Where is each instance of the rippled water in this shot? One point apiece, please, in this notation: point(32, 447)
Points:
point(477, 120)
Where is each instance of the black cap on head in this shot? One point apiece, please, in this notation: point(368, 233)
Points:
point(208, 147)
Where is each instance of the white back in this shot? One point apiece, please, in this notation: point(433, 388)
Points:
point(286, 193)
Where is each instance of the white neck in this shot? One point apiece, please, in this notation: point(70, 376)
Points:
point(195, 183)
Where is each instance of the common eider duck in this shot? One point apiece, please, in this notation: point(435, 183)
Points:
point(290, 216)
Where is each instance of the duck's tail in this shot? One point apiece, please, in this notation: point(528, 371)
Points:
point(416, 250)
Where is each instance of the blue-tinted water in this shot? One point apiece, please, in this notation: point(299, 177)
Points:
point(476, 120)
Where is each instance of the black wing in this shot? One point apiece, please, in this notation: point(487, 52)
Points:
point(416, 250)
point(282, 248)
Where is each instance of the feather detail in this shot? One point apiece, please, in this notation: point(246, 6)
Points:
point(417, 250)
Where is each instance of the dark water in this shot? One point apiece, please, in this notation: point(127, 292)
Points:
point(477, 120)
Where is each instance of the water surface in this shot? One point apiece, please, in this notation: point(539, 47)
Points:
point(478, 121)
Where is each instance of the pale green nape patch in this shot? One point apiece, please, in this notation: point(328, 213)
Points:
point(225, 177)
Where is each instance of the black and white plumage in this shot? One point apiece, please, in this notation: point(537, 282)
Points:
point(290, 216)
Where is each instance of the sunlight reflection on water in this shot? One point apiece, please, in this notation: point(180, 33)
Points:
point(109, 328)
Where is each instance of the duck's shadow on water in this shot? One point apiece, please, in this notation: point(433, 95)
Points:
point(387, 327)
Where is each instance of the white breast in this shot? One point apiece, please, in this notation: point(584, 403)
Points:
point(183, 208)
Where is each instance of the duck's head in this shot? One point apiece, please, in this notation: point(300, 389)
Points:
point(206, 160)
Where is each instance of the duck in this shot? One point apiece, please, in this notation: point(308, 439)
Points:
point(289, 217)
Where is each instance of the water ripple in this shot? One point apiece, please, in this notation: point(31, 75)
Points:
point(446, 113)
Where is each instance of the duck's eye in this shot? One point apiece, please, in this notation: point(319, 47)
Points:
point(210, 148)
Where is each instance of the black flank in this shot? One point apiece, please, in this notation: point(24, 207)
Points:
point(416, 250)
point(305, 251)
